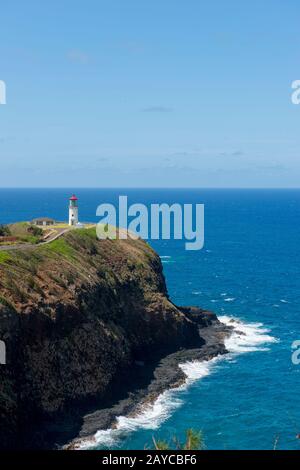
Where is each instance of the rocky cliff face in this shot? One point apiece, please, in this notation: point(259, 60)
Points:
point(75, 315)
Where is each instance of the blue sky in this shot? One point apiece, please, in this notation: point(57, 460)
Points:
point(139, 93)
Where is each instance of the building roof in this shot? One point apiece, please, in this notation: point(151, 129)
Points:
point(73, 198)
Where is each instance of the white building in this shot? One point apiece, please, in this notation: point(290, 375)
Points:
point(73, 211)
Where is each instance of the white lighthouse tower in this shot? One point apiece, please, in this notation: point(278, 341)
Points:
point(73, 210)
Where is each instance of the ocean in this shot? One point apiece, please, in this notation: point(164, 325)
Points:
point(247, 272)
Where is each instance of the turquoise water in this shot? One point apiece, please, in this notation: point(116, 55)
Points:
point(249, 269)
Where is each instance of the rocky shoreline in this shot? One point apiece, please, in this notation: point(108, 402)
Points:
point(167, 375)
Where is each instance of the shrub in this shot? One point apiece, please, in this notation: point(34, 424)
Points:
point(4, 231)
point(193, 441)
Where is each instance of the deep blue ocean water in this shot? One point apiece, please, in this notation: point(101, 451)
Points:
point(248, 269)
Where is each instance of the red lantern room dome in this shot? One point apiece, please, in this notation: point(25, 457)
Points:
point(73, 198)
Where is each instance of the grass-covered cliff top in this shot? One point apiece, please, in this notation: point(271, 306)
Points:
point(52, 272)
point(23, 232)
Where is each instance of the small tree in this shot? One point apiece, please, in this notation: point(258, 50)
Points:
point(160, 445)
point(4, 231)
point(35, 231)
point(193, 441)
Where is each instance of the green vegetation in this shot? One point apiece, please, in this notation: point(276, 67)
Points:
point(193, 441)
point(35, 231)
point(4, 231)
point(27, 260)
point(85, 233)
point(26, 232)
point(6, 303)
point(4, 256)
point(17, 292)
point(61, 247)
point(31, 273)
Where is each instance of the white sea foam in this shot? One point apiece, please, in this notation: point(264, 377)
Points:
point(246, 337)
point(150, 417)
point(229, 299)
point(166, 259)
point(196, 370)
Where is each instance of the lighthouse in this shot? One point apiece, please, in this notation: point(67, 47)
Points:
point(73, 210)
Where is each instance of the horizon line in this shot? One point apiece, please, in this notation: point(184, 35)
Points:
point(285, 188)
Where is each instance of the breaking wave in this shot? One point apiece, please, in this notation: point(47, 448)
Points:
point(246, 337)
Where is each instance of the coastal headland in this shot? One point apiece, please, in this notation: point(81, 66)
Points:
point(90, 334)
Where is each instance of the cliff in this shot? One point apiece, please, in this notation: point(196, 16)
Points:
point(76, 316)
